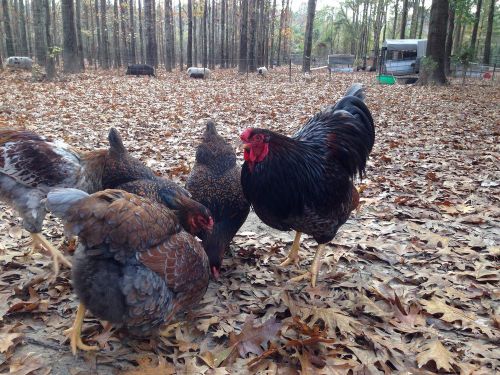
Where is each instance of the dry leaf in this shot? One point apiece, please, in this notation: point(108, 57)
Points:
point(435, 351)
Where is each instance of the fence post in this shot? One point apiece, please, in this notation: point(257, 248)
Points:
point(494, 69)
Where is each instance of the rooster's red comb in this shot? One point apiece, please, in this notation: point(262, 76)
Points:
point(245, 136)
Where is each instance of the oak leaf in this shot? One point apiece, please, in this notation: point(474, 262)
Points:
point(435, 351)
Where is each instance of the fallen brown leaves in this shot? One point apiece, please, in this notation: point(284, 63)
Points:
point(410, 283)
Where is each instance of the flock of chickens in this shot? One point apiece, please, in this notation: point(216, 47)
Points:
point(138, 261)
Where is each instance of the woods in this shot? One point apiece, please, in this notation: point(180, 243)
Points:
point(231, 33)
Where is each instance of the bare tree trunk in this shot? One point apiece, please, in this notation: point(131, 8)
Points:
point(195, 39)
point(449, 36)
point(414, 19)
point(70, 50)
point(422, 19)
point(28, 28)
point(141, 34)
point(94, 47)
point(150, 38)
point(132, 58)
point(181, 54)
point(40, 33)
point(404, 16)
point(189, 52)
point(22, 27)
point(55, 34)
point(124, 27)
point(212, 37)
point(98, 28)
point(282, 17)
point(376, 33)
point(205, 38)
point(79, 34)
point(395, 24)
point(88, 42)
point(9, 41)
point(50, 65)
point(473, 38)
point(271, 48)
point(116, 36)
point(489, 31)
point(311, 10)
point(236, 33)
point(227, 35)
point(222, 31)
point(252, 31)
point(243, 62)
point(104, 35)
point(286, 41)
point(168, 41)
point(436, 43)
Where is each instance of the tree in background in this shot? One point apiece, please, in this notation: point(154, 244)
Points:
point(489, 32)
point(50, 64)
point(70, 44)
point(404, 16)
point(242, 63)
point(189, 53)
point(473, 38)
point(40, 33)
point(9, 41)
point(311, 10)
point(433, 65)
point(22, 26)
point(150, 37)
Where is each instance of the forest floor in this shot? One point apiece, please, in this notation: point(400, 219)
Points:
point(409, 285)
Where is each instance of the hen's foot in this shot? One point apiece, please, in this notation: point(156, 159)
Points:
point(74, 333)
point(314, 270)
point(39, 241)
point(293, 255)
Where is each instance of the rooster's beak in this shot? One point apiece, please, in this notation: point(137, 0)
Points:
point(245, 147)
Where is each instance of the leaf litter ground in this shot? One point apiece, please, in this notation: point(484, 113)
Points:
point(409, 284)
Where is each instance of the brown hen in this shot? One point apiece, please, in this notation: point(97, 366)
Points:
point(135, 265)
point(31, 165)
point(215, 182)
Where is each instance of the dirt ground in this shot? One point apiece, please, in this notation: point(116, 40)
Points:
point(409, 285)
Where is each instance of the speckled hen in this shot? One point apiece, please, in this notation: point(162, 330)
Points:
point(135, 265)
point(215, 182)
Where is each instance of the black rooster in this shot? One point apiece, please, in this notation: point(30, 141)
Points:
point(305, 182)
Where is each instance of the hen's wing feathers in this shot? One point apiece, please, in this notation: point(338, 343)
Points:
point(125, 222)
point(33, 160)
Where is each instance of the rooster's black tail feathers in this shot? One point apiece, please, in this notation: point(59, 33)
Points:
point(355, 131)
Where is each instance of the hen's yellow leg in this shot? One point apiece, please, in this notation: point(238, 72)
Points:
point(40, 241)
point(315, 267)
point(293, 255)
point(75, 332)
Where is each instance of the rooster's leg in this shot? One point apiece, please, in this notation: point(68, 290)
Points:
point(40, 241)
point(315, 267)
point(293, 255)
point(75, 332)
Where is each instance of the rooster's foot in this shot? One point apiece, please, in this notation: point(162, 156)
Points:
point(293, 255)
point(315, 267)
